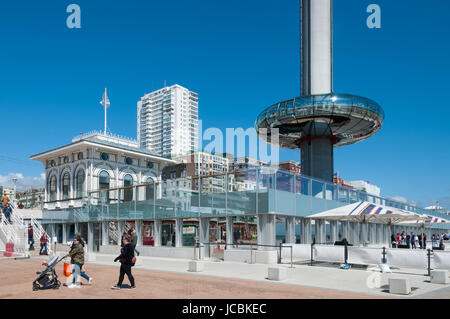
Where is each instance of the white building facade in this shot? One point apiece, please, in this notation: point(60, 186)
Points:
point(167, 121)
point(95, 162)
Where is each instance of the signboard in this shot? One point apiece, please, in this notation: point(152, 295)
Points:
point(189, 230)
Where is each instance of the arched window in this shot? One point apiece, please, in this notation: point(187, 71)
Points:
point(127, 192)
point(52, 188)
point(103, 183)
point(65, 185)
point(150, 189)
point(79, 183)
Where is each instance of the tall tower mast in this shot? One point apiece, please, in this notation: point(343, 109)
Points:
point(319, 119)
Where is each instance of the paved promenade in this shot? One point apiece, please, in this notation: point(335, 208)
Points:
point(17, 275)
point(169, 278)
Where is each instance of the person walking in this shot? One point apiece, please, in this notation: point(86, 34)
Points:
point(126, 260)
point(413, 241)
point(43, 240)
point(124, 234)
point(408, 240)
point(420, 240)
point(399, 239)
point(424, 239)
point(134, 240)
point(7, 212)
point(30, 237)
point(5, 201)
point(77, 259)
point(393, 241)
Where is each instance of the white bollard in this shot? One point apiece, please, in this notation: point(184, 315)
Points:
point(196, 266)
point(439, 277)
point(277, 273)
point(399, 286)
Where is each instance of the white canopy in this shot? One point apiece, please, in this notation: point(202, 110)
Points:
point(368, 212)
point(428, 220)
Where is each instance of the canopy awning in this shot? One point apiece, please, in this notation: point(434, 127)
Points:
point(368, 212)
point(428, 220)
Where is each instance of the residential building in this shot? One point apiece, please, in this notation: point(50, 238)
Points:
point(167, 121)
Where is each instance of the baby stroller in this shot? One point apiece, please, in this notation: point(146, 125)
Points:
point(48, 279)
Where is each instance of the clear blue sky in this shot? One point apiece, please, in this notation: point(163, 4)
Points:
point(240, 56)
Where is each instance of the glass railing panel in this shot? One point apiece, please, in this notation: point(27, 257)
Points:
point(317, 189)
point(330, 192)
point(305, 186)
point(353, 196)
point(343, 195)
point(285, 181)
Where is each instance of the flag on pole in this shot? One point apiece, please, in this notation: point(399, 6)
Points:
point(105, 100)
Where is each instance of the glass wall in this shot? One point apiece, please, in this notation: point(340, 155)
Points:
point(247, 192)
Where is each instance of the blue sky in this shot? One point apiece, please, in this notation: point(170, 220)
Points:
point(240, 56)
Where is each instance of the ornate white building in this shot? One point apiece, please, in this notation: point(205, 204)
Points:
point(96, 161)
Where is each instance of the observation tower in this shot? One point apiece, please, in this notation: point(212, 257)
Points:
point(319, 119)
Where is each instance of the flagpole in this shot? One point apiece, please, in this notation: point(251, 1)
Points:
point(105, 109)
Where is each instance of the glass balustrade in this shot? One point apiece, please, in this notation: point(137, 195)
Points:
point(259, 190)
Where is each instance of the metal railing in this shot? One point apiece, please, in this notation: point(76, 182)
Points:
point(251, 245)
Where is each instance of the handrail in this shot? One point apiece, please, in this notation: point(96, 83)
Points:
point(197, 245)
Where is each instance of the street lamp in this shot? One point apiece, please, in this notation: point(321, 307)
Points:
point(15, 182)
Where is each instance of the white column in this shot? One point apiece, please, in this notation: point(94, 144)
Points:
point(229, 230)
point(290, 230)
point(306, 231)
point(372, 234)
point(204, 236)
point(90, 237)
point(53, 232)
point(157, 233)
point(266, 231)
point(320, 229)
point(178, 232)
point(354, 229)
point(65, 233)
point(105, 233)
point(333, 231)
point(363, 239)
point(379, 234)
point(138, 227)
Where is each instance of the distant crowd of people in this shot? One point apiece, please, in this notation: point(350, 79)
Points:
point(417, 241)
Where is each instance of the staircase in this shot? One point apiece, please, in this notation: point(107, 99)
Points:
point(16, 232)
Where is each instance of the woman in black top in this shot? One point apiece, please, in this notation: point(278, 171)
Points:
point(126, 260)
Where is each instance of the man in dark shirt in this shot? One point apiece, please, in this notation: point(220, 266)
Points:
point(408, 240)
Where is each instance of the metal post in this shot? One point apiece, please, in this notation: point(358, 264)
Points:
point(345, 252)
point(384, 260)
point(312, 251)
point(292, 264)
point(279, 259)
point(429, 262)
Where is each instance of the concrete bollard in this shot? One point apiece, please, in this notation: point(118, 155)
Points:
point(399, 286)
point(196, 266)
point(277, 273)
point(439, 277)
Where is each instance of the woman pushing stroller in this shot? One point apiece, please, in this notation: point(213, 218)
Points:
point(77, 259)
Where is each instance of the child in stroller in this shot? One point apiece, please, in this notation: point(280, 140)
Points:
point(48, 279)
